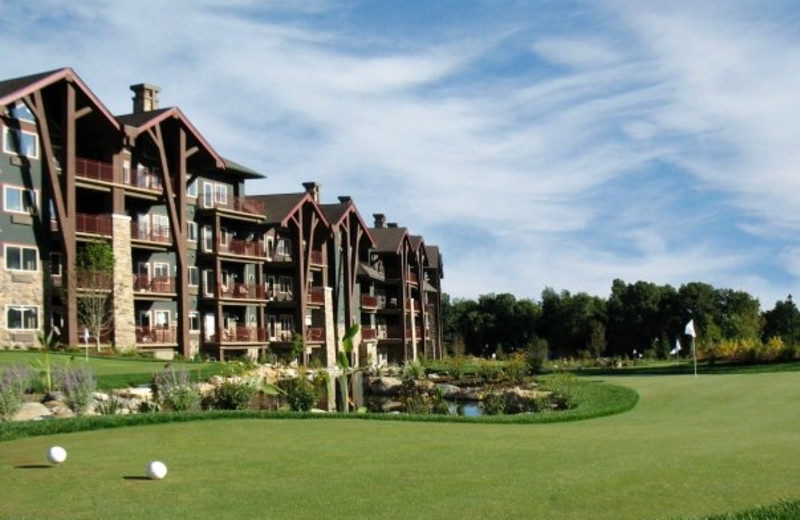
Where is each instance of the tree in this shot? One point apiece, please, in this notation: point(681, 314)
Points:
point(94, 269)
point(597, 339)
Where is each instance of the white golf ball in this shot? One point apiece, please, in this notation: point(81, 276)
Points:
point(156, 470)
point(56, 454)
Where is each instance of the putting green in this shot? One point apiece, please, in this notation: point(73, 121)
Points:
point(690, 447)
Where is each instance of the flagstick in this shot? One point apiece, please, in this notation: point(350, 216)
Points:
point(694, 351)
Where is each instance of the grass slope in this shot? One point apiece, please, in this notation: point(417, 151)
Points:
point(691, 447)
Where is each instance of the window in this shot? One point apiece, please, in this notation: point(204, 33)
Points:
point(208, 238)
point(208, 282)
point(284, 249)
point(20, 258)
point(20, 142)
point(160, 226)
point(194, 321)
point(126, 172)
point(161, 319)
point(191, 231)
point(221, 193)
point(194, 276)
point(55, 264)
point(22, 317)
point(160, 270)
point(208, 195)
point(191, 187)
point(19, 200)
point(21, 112)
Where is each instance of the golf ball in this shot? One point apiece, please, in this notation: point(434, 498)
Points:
point(156, 470)
point(56, 454)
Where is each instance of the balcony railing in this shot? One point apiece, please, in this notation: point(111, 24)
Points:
point(87, 280)
point(146, 179)
point(95, 170)
point(316, 295)
point(370, 302)
point(280, 296)
point(154, 284)
point(143, 231)
point(282, 335)
point(243, 291)
point(418, 331)
point(315, 334)
point(413, 305)
point(413, 277)
point(244, 334)
point(368, 333)
point(155, 335)
point(240, 204)
point(93, 224)
point(242, 247)
point(317, 258)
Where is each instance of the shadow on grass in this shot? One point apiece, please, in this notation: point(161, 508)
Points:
point(135, 477)
point(33, 466)
point(687, 368)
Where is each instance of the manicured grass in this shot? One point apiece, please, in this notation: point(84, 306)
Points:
point(111, 372)
point(691, 447)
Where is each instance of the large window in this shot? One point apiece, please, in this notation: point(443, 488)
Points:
point(20, 142)
point(21, 258)
point(194, 276)
point(194, 321)
point(19, 200)
point(21, 112)
point(191, 187)
point(191, 231)
point(221, 193)
point(22, 317)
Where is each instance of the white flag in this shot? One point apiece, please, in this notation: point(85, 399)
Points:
point(677, 348)
point(690, 329)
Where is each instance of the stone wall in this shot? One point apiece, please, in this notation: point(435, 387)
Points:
point(20, 288)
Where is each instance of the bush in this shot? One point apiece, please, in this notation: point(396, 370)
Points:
point(14, 381)
point(488, 370)
point(516, 368)
point(537, 353)
point(174, 391)
point(562, 385)
point(414, 370)
point(414, 398)
point(77, 384)
point(233, 394)
point(301, 394)
point(493, 404)
point(455, 367)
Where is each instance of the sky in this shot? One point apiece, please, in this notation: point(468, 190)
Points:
point(538, 143)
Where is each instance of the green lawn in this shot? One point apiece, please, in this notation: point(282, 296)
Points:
point(690, 447)
point(111, 372)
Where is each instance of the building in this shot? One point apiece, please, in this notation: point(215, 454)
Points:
point(199, 266)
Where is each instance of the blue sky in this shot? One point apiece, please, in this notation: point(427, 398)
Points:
point(538, 143)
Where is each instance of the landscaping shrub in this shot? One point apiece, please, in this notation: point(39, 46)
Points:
point(493, 404)
point(14, 381)
point(301, 394)
point(414, 398)
point(489, 371)
point(233, 394)
point(562, 385)
point(413, 369)
point(174, 390)
point(537, 353)
point(77, 385)
point(516, 368)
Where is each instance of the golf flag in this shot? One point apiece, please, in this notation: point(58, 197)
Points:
point(690, 329)
point(677, 348)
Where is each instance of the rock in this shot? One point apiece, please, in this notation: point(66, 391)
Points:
point(385, 386)
point(53, 396)
point(144, 393)
point(469, 394)
point(32, 412)
point(450, 391)
point(392, 407)
point(100, 396)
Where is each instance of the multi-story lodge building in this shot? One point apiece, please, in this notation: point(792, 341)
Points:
point(199, 267)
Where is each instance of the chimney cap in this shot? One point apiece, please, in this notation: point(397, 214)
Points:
point(380, 219)
point(391, 225)
point(145, 97)
point(345, 199)
point(313, 189)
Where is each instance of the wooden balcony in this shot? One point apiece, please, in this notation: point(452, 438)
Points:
point(93, 224)
point(145, 335)
point(412, 277)
point(280, 296)
point(242, 291)
point(370, 302)
point(242, 248)
point(94, 170)
point(317, 258)
point(235, 204)
point(94, 281)
point(244, 334)
point(315, 334)
point(415, 306)
point(316, 296)
point(143, 231)
point(145, 179)
point(154, 284)
point(418, 331)
point(368, 333)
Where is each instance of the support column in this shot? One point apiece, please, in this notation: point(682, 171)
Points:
point(123, 310)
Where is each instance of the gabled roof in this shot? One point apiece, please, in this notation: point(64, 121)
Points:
point(279, 208)
point(433, 256)
point(389, 239)
point(244, 171)
point(142, 121)
point(14, 89)
point(336, 213)
point(369, 272)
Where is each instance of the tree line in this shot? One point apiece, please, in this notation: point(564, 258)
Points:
point(637, 318)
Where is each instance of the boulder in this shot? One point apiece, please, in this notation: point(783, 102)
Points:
point(450, 391)
point(385, 386)
point(32, 412)
point(53, 396)
point(145, 393)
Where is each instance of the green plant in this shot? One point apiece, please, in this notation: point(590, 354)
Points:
point(111, 406)
point(343, 360)
point(301, 394)
point(537, 353)
point(414, 398)
point(234, 394)
point(489, 370)
point(13, 383)
point(174, 390)
point(413, 370)
point(493, 403)
point(563, 387)
point(516, 368)
point(455, 367)
point(298, 347)
point(77, 384)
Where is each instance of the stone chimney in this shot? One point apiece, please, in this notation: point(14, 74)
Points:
point(313, 189)
point(345, 199)
point(391, 225)
point(145, 98)
point(380, 220)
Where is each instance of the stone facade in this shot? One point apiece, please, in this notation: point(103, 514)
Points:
point(20, 288)
point(124, 319)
